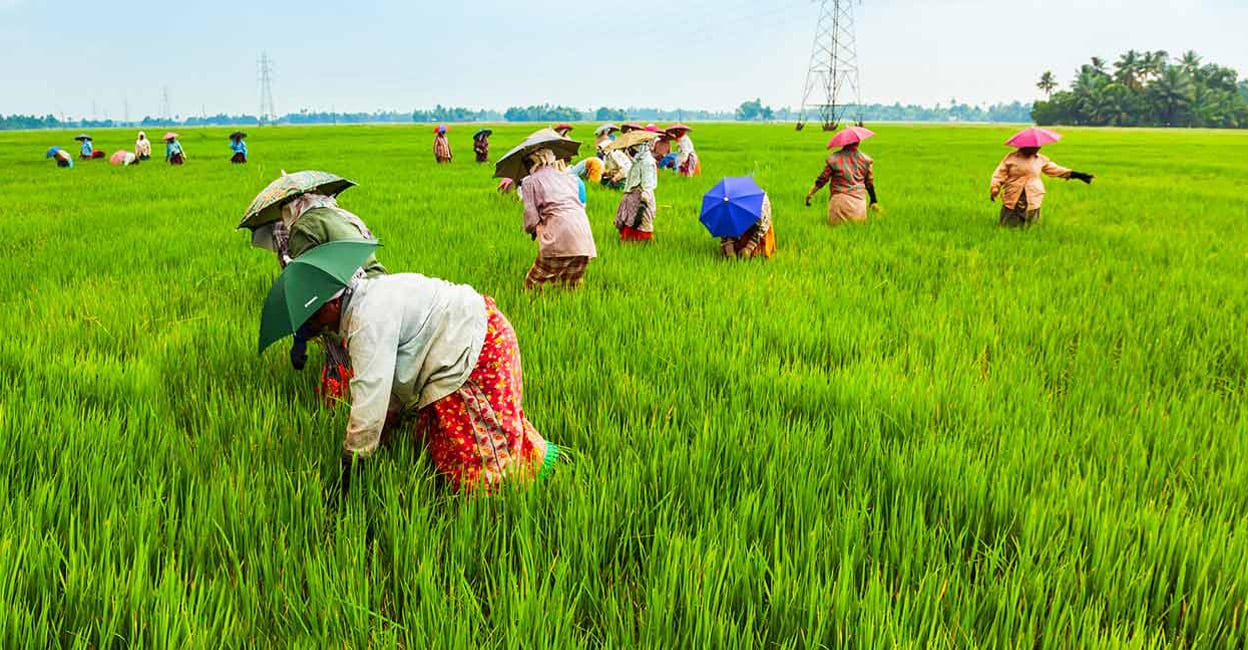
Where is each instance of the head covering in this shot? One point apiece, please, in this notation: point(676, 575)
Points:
point(544, 158)
point(304, 202)
point(142, 135)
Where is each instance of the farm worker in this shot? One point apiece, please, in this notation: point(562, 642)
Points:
point(850, 176)
point(1017, 179)
point(616, 165)
point(305, 215)
point(563, 129)
point(441, 147)
point(238, 147)
point(687, 163)
point(143, 147)
point(88, 148)
point(634, 217)
point(662, 151)
point(589, 169)
point(481, 145)
point(63, 158)
point(760, 239)
point(437, 355)
point(603, 135)
point(554, 215)
point(173, 149)
point(506, 186)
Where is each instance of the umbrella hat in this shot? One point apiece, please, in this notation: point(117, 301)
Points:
point(513, 164)
point(482, 132)
point(1033, 137)
point(676, 128)
point(82, 136)
point(850, 135)
point(52, 151)
point(606, 129)
point(170, 136)
point(632, 139)
point(238, 135)
point(307, 283)
point(732, 206)
point(267, 206)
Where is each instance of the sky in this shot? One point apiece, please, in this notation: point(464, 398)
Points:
point(113, 59)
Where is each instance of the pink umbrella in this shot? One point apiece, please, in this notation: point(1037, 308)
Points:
point(652, 128)
point(170, 136)
point(851, 135)
point(1033, 137)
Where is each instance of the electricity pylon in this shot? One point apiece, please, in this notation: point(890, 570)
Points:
point(832, 91)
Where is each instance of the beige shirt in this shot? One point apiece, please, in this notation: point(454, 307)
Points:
point(413, 340)
point(553, 211)
point(1018, 173)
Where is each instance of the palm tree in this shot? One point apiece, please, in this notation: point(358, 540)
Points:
point(1154, 63)
point(1172, 95)
point(1048, 83)
point(1127, 70)
point(1190, 62)
point(1098, 65)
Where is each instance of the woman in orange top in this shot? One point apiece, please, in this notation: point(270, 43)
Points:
point(1017, 181)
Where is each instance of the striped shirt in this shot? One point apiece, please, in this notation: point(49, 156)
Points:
point(847, 172)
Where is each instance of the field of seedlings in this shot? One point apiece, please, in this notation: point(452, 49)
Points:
point(928, 432)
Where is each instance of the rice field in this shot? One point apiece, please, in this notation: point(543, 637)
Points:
point(928, 432)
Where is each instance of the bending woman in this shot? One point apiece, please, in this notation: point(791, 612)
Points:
point(635, 216)
point(554, 215)
point(760, 239)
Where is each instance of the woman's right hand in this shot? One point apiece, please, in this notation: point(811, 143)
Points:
point(808, 199)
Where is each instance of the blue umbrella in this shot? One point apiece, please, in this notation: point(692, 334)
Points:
point(732, 206)
point(52, 151)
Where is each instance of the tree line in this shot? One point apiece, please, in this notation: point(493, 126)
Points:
point(1147, 89)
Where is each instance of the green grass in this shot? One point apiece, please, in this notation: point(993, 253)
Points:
point(927, 432)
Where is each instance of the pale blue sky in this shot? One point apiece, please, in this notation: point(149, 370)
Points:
point(402, 54)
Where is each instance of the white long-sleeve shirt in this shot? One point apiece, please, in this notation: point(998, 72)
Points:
point(411, 338)
point(684, 147)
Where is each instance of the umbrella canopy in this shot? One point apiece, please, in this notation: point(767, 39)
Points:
point(851, 135)
point(82, 136)
point(732, 206)
point(563, 127)
point(52, 152)
point(1033, 137)
point(513, 164)
point(170, 136)
point(653, 128)
point(307, 283)
point(630, 126)
point(632, 139)
point(441, 128)
point(122, 157)
point(482, 132)
point(606, 129)
point(677, 128)
point(238, 135)
point(267, 206)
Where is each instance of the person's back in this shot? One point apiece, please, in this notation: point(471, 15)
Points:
point(851, 170)
point(553, 208)
point(321, 225)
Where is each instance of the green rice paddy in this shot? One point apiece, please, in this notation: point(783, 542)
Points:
point(929, 432)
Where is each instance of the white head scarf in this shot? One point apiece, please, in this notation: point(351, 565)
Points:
point(545, 158)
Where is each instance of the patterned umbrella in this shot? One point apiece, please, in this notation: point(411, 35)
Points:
point(267, 206)
point(513, 165)
point(631, 139)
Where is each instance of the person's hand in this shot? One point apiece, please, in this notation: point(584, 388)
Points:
point(808, 198)
point(875, 207)
point(299, 351)
point(992, 196)
point(1080, 176)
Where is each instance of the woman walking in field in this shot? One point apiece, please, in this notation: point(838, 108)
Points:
point(238, 147)
point(687, 163)
point(440, 357)
point(173, 149)
point(143, 147)
point(1017, 180)
point(554, 215)
point(481, 145)
point(635, 216)
point(441, 147)
point(850, 176)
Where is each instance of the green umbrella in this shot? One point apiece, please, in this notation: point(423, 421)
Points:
point(513, 165)
point(267, 206)
point(307, 283)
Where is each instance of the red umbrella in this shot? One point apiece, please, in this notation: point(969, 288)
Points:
point(851, 135)
point(563, 127)
point(441, 128)
point(1033, 137)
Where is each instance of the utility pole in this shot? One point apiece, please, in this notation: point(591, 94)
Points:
point(125, 109)
point(832, 92)
point(165, 111)
point(267, 110)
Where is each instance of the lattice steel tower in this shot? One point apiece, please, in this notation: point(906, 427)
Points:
point(832, 92)
point(267, 110)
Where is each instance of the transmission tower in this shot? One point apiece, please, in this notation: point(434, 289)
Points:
point(267, 110)
point(165, 111)
point(832, 91)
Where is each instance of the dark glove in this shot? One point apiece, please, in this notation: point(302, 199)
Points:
point(808, 198)
point(1080, 176)
point(299, 350)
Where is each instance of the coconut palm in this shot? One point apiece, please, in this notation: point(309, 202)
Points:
point(1048, 83)
point(1190, 62)
point(1127, 70)
point(1172, 95)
